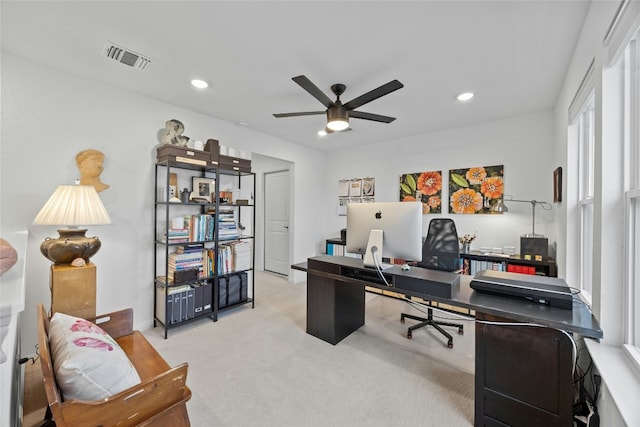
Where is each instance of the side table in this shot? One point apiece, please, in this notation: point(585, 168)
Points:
point(73, 290)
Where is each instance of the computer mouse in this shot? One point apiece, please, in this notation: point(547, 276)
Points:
point(405, 267)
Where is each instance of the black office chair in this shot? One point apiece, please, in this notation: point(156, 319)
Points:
point(441, 251)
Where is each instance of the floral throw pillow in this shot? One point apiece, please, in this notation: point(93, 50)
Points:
point(88, 363)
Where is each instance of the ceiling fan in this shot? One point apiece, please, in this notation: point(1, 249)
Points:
point(338, 114)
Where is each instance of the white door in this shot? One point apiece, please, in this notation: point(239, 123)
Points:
point(276, 222)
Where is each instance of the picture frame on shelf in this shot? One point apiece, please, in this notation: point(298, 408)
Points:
point(203, 188)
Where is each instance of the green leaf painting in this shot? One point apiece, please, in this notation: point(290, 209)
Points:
point(425, 187)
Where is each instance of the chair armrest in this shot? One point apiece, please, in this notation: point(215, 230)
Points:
point(134, 405)
point(116, 323)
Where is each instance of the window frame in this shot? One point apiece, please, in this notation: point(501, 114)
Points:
point(630, 62)
point(585, 140)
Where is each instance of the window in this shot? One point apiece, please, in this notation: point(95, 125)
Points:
point(585, 136)
point(630, 64)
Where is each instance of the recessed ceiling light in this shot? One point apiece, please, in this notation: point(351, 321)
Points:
point(200, 84)
point(464, 96)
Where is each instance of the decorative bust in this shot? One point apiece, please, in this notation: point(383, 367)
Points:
point(172, 133)
point(90, 164)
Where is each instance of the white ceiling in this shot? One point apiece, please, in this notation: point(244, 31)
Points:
point(512, 54)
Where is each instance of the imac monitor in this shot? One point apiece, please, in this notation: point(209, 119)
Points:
point(385, 229)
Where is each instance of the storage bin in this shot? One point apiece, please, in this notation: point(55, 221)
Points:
point(232, 289)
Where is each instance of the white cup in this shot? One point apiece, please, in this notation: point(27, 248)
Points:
point(233, 152)
point(224, 150)
point(198, 145)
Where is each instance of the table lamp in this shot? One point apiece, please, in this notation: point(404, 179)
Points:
point(73, 206)
point(500, 207)
point(532, 245)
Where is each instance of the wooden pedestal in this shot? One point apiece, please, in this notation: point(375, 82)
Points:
point(73, 290)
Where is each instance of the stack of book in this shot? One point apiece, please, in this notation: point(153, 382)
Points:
point(241, 255)
point(225, 259)
point(227, 226)
point(201, 227)
point(185, 258)
point(234, 256)
point(208, 262)
point(176, 235)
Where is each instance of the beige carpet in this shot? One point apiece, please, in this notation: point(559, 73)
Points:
point(258, 367)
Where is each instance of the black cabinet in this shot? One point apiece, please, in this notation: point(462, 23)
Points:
point(523, 374)
point(204, 244)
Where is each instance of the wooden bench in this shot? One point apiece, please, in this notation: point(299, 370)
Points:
point(159, 400)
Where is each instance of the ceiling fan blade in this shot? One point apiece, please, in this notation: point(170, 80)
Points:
point(374, 94)
point(370, 116)
point(307, 85)
point(302, 113)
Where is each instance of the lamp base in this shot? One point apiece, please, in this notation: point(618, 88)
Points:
point(71, 244)
point(534, 246)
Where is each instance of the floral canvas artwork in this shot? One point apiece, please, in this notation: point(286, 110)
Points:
point(425, 187)
point(474, 190)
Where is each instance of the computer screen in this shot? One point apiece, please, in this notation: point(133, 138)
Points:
point(400, 223)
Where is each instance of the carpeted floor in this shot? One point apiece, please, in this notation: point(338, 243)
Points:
point(258, 367)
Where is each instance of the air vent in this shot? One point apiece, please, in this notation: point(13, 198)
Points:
point(126, 56)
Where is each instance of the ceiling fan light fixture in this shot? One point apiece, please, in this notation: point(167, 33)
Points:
point(338, 124)
point(337, 118)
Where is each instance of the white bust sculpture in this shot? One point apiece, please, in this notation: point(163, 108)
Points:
point(172, 133)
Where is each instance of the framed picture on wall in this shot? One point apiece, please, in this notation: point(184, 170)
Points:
point(475, 190)
point(343, 188)
point(355, 190)
point(368, 187)
point(342, 205)
point(557, 185)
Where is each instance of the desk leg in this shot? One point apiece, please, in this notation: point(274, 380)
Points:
point(334, 309)
point(523, 375)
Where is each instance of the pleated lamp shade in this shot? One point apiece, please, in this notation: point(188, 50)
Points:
point(73, 206)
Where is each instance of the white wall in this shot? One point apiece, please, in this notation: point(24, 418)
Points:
point(49, 115)
point(524, 145)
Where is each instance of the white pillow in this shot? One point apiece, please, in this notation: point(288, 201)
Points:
point(88, 363)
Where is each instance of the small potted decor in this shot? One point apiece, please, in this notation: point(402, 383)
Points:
point(465, 242)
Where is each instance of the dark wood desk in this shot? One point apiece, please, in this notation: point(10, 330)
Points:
point(524, 354)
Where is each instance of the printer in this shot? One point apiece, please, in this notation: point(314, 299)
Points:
point(539, 289)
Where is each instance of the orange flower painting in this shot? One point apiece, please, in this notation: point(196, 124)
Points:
point(423, 186)
point(474, 190)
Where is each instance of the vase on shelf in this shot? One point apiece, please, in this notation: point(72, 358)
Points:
point(465, 248)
